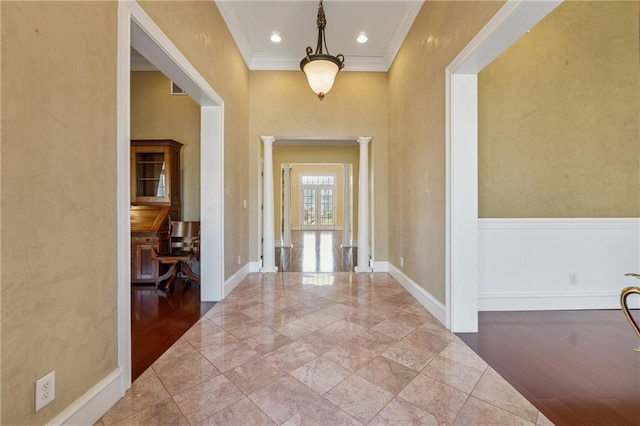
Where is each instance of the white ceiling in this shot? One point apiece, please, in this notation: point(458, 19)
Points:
point(252, 22)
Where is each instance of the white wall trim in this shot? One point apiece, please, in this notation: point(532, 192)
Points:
point(461, 141)
point(254, 267)
point(548, 264)
point(380, 266)
point(425, 298)
point(236, 278)
point(552, 301)
point(87, 409)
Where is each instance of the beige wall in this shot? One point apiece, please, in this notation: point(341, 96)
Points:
point(59, 251)
point(157, 114)
point(198, 30)
point(323, 156)
point(283, 105)
point(558, 116)
point(417, 136)
point(58, 201)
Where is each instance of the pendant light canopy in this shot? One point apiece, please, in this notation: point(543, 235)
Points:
point(320, 67)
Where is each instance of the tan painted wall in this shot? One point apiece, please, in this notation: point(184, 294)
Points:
point(558, 115)
point(198, 30)
point(58, 177)
point(417, 136)
point(299, 170)
point(283, 105)
point(157, 114)
point(58, 201)
point(324, 155)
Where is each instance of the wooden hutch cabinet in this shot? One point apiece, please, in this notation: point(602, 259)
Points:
point(155, 197)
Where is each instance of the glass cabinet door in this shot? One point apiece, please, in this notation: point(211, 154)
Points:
point(150, 172)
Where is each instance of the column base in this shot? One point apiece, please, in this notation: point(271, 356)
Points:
point(359, 269)
point(269, 270)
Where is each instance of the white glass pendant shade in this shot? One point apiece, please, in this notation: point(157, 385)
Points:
point(321, 74)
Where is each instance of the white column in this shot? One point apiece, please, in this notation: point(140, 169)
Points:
point(346, 209)
point(363, 206)
point(286, 237)
point(268, 239)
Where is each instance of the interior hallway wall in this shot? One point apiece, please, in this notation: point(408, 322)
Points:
point(283, 105)
point(417, 136)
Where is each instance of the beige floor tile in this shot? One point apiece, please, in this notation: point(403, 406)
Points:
point(373, 341)
point(284, 398)
point(320, 319)
point(359, 398)
point(254, 375)
point(233, 358)
point(202, 328)
point(387, 374)
point(231, 320)
point(248, 329)
point(350, 356)
point(453, 373)
point(259, 310)
point(143, 394)
point(399, 412)
point(344, 329)
point(291, 356)
point(407, 318)
point(267, 341)
point(188, 371)
point(320, 342)
point(427, 341)
point(492, 388)
point(241, 413)
point(457, 350)
point(296, 329)
point(477, 412)
point(393, 329)
point(214, 344)
point(322, 413)
point(439, 399)
point(543, 421)
point(162, 413)
point(409, 355)
point(321, 374)
point(173, 355)
point(207, 398)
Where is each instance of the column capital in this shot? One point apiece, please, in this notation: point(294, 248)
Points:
point(364, 141)
point(268, 140)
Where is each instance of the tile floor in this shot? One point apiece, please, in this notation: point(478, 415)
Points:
point(320, 349)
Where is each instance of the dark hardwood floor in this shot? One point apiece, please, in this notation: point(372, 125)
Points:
point(576, 367)
point(159, 319)
point(316, 251)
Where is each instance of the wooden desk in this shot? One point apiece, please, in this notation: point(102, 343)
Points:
point(146, 220)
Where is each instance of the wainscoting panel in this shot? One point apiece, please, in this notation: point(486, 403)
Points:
point(550, 264)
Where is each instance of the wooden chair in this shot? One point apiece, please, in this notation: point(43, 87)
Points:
point(179, 247)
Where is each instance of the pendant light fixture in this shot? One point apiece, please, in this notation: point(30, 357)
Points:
point(320, 67)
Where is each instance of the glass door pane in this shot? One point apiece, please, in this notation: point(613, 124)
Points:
point(326, 207)
point(309, 208)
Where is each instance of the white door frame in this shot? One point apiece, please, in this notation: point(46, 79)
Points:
point(137, 29)
point(513, 20)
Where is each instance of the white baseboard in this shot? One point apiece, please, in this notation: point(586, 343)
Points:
point(425, 298)
point(87, 409)
point(564, 301)
point(380, 266)
point(254, 266)
point(550, 264)
point(235, 279)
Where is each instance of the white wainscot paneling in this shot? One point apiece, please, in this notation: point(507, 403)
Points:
point(528, 264)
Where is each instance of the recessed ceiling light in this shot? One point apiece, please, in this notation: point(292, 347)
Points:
point(362, 38)
point(276, 38)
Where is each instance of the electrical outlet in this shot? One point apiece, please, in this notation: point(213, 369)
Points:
point(573, 279)
point(401, 261)
point(239, 259)
point(45, 390)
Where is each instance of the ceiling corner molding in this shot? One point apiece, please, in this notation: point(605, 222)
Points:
point(231, 19)
point(401, 31)
point(274, 63)
point(365, 64)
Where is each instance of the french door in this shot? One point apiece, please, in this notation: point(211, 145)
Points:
point(318, 207)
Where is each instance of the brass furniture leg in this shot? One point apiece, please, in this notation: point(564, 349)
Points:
point(626, 292)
